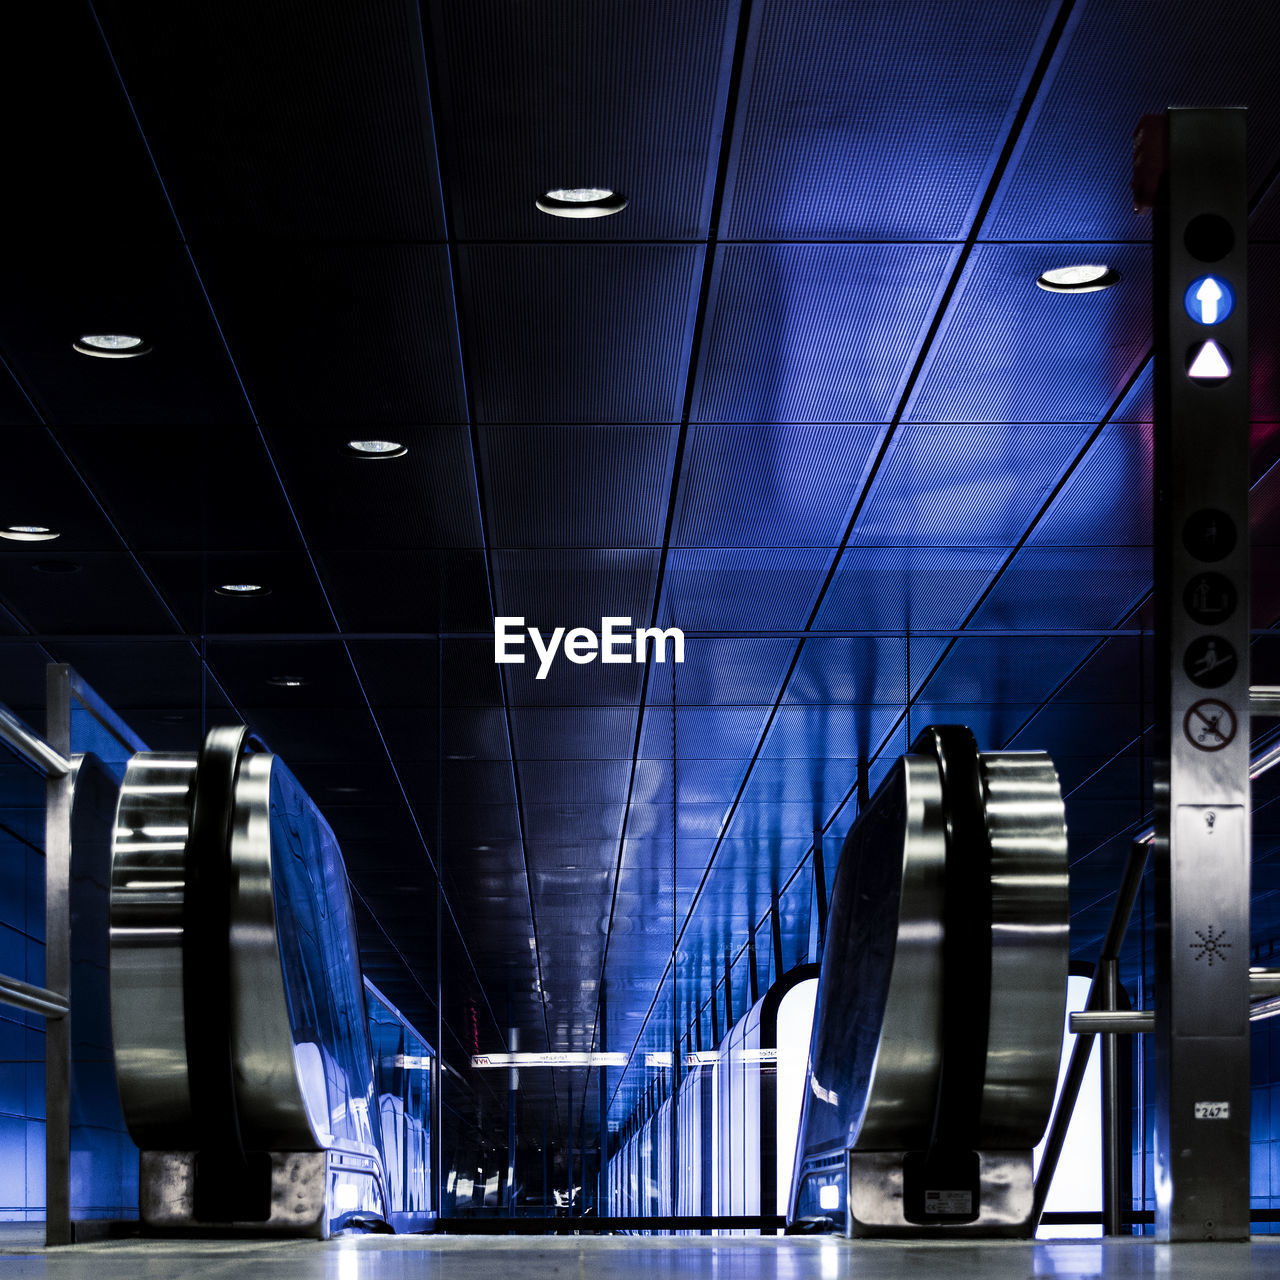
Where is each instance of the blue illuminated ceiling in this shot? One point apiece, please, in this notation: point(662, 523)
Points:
point(801, 398)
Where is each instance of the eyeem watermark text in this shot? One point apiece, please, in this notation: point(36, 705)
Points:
point(616, 642)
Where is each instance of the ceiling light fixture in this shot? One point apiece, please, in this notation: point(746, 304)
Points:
point(29, 533)
point(377, 448)
point(1085, 277)
point(242, 589)
point(581, 202)
point(111, 346)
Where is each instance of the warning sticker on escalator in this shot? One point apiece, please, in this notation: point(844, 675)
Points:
point(948, 1202)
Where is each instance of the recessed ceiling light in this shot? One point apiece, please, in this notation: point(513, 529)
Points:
point(377, 448)
point(28, 533)
point(581, 202)
point(1085, 277)
point(242, 589)
point(286, 682)
point(111, 346)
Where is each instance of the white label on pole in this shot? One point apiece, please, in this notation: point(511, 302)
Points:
point(487, 1061)
point(1213, 1111)
point(413, 1062)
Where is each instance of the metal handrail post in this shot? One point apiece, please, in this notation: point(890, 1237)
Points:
point(1057, 1135)
point(1109, 975)
point(57, 925)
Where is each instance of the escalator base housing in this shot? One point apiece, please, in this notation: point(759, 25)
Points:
point(877, 1184)
point(169, 1194)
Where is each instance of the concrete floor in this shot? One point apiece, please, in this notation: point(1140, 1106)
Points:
point(631, 1258)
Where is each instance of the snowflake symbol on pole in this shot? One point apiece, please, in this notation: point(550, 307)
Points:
point(1211, 945)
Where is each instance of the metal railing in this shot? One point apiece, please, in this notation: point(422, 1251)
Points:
point(1103, 1016)
point(51, 756)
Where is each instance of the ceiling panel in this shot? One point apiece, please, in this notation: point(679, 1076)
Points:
point(573, 733)
point(772, 485)
point(1071, 587)
point(723, 672)
point(1107, 498)
point(408, 591)
point(577, 333)
point(845, 135)
point(217, 493)
point(352, 334)
point(965, 485)
point(856, 669)
point(1023, 668)
point(40, 486)
point(239, 156)
point(293, 603)
point(906, 588)
point(766, 590)
point(570, 588)
point(532, 100)
point(1124, 60)
point(815, 333)
point(57, 290)
point(1012, 352)
point(424, 499)
point(845, 731)
point(524, 465)
point(86, 593)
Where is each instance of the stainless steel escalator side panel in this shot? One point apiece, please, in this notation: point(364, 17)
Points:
point(873, 1066)
point(270, 1101)
point(904, 1078)
point(300, 1034)
point(148, 879)
point(1030, 946)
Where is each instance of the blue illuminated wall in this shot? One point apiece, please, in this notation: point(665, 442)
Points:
point(1264, 1124)
point(104, 1161)
point(21, 956)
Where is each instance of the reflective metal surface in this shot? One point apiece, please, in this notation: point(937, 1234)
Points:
point(148, 878)
point(874, 1060)
point(1029, 945)
point(31, 747)
point(22, 995)
point(880, 1038)
point(298, 1026)
point(167, 1188)
point(876, 1195)
point(268, 1094)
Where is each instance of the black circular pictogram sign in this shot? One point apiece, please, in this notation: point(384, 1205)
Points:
point(1209, 725)
point(1209, 599)
point(1210, 661)
point(1209, 534)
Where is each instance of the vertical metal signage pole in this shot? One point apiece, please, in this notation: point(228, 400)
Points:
point(1202, 645)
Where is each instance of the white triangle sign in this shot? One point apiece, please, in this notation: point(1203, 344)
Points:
point(1210, 362)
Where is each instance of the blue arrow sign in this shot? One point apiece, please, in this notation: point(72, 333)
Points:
point(1209, 300)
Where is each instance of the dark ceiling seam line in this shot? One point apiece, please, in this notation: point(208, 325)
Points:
point(1048, 54)
point(742, 42)
point(177, 222)
point(430, 72)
